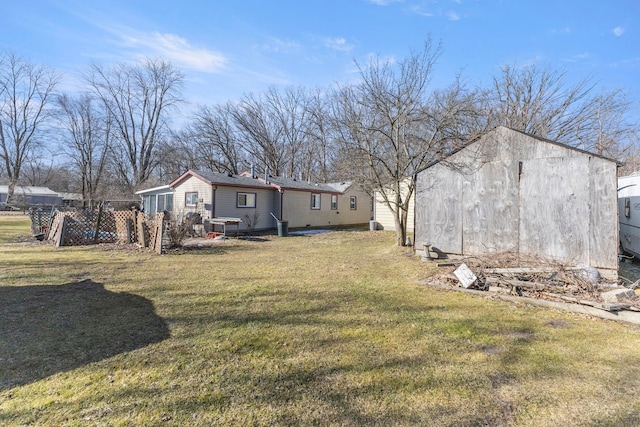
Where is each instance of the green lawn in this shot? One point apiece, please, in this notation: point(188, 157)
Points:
point(329, 329)
point(14, 228)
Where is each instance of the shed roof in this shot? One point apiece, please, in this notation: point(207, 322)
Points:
point(539, 138)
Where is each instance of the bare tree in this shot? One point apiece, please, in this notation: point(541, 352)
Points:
point(260, 134)
point(272, 129)
point(392, 126)
point(319, 151)
point(176, 154)
point(611, 126)
point(139, 98)
point(25, 93)
point(215, 139)
point(538, 101)
point(289, 108)
point(87, 131)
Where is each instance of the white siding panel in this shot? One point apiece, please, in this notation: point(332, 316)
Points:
point(189, 185)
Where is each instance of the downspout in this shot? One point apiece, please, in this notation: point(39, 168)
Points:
point(213, 201)
point(281, 191)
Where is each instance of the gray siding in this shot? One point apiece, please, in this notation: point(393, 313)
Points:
point(510, 192)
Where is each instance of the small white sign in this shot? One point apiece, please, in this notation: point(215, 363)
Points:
point(465, 276)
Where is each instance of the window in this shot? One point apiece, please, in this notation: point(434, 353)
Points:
point(191, 199)
point(168, 206)
point(334, 201)
point(352, 203)
point(149, 204)
point(161, 202)
point(315, 201)
point(246, 200)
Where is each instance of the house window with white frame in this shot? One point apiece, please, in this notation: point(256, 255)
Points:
point(334, 202)
point(191, 199)
point(246, 200)
point(352, 203)
point(315, 201)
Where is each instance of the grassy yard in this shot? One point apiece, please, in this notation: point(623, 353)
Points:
point(14, 228)
point(329, 329)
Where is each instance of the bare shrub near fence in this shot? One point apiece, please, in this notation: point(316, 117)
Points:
point(178, 228)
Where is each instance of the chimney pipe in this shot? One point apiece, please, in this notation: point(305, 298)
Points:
point(253, 170)
point(266, 175)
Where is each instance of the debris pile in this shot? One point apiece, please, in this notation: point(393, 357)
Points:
point(540, 279)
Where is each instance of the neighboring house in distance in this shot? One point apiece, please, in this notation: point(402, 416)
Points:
point(73, 200)
point(31, 196)
point(385, 218)
point(508, 191)
point(157, 199)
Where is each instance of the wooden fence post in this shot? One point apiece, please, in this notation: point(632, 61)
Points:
point(96, 235)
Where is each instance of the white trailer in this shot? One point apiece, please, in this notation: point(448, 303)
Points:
point(629, 213)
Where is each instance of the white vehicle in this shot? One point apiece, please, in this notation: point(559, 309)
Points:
point(629, 213)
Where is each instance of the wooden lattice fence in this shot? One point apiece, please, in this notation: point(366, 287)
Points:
point(41, 218)
point(104, 226)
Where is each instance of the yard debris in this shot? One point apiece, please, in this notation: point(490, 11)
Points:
point(618, 295)
point(465, 276)
point(536, 278)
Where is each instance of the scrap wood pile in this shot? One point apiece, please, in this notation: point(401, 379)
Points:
point(539, 279)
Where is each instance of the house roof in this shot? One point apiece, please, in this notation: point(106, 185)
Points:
point(245, 180)
point(71, 196)
point(294, 184)
point(213, 178)
point(29, 191)
point(539, 138)
point(159, 189)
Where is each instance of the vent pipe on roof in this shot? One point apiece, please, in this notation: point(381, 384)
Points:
point(253, 170)
point(266, 175)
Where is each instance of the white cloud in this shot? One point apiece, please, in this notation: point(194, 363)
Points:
point(338, 43)
point(384, 2)
point(419, 10)
point(577, 58)
point(276, 45)
point(453, 16)
point(175, 49)
point(617, 31)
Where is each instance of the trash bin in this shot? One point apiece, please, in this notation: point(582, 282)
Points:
point(283, 228)
point(373, 225)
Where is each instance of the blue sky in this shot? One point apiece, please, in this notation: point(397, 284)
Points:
point(228, 48)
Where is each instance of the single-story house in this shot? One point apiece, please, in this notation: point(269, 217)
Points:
point(308, 204)
point(258, 201)
point(383, 216)
point(508, 191)
point(30, 196)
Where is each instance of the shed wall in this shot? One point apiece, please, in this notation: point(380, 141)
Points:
point(511, 192)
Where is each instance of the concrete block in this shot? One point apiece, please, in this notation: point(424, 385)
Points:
point(618, 295)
